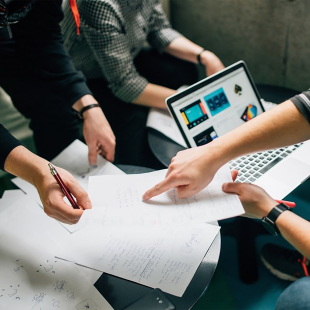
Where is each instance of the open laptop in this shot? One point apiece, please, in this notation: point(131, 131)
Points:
point(224, 101)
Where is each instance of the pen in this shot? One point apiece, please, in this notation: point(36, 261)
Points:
point(63, 187)
point(288, 203)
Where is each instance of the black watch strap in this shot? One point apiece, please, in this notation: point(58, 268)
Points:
point(269, 221)
point(199, 58)
point(93, 105)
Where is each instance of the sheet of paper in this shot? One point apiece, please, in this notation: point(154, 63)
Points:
point(75, 160)
point(31, 276)
point(159, 257)
point(268, 105)
point(13, 193)
point(164, 123)
point(119, 201)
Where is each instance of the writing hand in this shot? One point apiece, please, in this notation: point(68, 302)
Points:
point(51, 196)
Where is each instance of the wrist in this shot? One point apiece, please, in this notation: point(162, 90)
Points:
point(83, 102)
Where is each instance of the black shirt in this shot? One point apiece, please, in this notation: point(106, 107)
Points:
point(38, 41)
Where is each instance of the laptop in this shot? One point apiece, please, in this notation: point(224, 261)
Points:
point(220, 103)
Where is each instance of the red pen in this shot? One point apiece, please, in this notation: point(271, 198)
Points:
point(288, 203)
point(63, 187)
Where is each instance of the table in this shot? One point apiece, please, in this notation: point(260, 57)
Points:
point(164, 148)
point(119, 292)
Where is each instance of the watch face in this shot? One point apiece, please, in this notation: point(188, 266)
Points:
point(269, 226)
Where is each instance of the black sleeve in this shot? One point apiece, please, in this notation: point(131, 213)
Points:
point(40, 47)
point(302, 102)
point(7, 143)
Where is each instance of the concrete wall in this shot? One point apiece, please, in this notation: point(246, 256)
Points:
point(271, 36)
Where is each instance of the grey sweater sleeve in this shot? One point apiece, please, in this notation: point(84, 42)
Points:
point(302, 102)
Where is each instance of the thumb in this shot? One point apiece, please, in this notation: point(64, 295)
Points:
point(232, 188)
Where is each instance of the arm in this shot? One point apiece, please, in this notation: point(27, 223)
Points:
point(39, 41)
point(16, 159)
point(257, 203)
point(187, 50)
point(193, 169)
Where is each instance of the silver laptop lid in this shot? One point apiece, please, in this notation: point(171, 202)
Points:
point(215, 105)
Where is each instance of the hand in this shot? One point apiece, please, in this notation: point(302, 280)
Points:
point(98, 135)
point(190, 171)
point(212, 63)
point(52, 196)
point(97, 131)
point(256, 202)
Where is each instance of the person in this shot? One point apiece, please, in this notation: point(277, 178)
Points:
point(193, 169)
point(110, 52)
point(38, 75)
point(43, 84)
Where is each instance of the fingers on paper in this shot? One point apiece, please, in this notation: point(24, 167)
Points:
point(172, 180)
point(234, 175)
point(92, 153)
point(233, 188)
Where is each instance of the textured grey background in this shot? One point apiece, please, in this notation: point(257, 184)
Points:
point(271, 36)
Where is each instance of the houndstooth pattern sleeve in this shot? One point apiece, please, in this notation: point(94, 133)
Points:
point(113, 32)
point(161, 34)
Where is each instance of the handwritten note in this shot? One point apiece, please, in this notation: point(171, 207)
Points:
point(119, 199)
point(165, 257)
point(31, 276)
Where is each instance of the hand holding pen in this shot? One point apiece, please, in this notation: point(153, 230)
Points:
point(63, 186)
point(52, 197)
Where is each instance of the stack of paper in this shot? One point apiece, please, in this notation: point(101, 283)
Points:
point(31, 276)
point(159, 243)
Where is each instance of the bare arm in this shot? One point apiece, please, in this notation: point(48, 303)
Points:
point(257, 203)
point(187, 50)
point(193, 169)
point(154, 96)
point(34, 169)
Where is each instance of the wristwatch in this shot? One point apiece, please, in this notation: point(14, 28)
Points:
point(269, 221)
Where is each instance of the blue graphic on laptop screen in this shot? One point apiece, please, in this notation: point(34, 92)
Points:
point(217, 101)
point(194, 114)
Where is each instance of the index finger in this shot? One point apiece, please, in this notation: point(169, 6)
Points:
point(92, 153)
point(161, 187)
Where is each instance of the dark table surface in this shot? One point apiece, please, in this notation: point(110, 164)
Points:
point(119, 292)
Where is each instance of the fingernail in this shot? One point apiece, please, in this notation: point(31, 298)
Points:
point(88, 205)
point(145, 197)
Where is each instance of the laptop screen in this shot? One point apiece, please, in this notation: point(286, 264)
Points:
point(215, 105)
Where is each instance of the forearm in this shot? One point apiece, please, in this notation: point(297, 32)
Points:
point(26, 165)
point(283, 125)
point(154, 96)
point(184, 49)
point(296, 231)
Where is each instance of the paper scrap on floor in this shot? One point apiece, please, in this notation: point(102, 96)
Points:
point(31, 276)
point(117, 200)
point(74, 159)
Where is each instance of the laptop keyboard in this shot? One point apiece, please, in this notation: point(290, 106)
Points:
point(253, 166)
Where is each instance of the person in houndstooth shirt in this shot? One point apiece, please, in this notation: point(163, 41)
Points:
point(126, 76)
